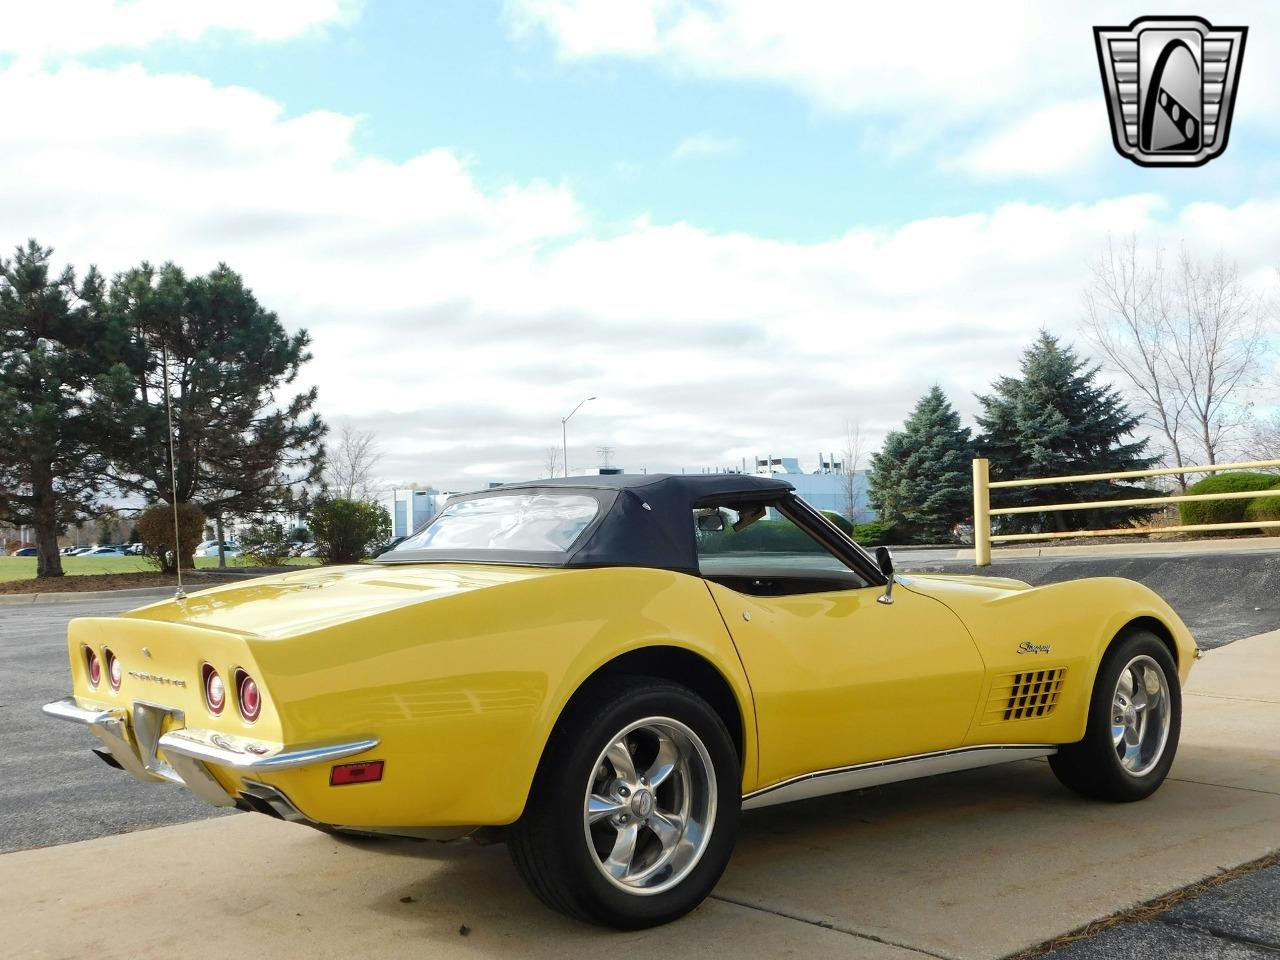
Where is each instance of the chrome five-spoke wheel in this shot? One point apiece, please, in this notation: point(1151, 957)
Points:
point(631, 817)
point(1140, 715)
point(1135, 715)
point(650, 805)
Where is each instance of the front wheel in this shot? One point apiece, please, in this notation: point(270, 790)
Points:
point(631, 817)
point(1135, 717)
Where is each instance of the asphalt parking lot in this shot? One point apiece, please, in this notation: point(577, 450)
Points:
point(1239, 920)
point(52, 789)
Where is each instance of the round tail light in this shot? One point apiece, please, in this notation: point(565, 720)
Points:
point(249, 695)
point(215, 693)
point(114, 671)
point(94, 666)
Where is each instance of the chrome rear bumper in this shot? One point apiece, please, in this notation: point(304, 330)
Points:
point(134, 738)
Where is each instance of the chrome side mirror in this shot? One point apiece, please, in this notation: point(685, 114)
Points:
point(884, 559)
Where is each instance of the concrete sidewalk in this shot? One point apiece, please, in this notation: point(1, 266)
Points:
point(972, 865)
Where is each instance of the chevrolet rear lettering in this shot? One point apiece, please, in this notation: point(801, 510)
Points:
point(157, 678)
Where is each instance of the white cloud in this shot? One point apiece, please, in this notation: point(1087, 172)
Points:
point(69, 27)
point(860, 57)
point(1061, 138)
point(927, 74)
point(705, 144)
point(461, 322)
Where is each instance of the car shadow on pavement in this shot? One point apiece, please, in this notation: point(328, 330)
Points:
point(782, 853)
point(985, 862)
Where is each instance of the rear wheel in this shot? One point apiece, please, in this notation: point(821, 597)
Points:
point(631, 818)
point(1135, 717)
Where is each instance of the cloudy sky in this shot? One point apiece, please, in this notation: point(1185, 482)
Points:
point(737, 224)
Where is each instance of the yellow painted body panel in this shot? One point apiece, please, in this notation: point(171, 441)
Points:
point(1075, 619)
point(840, 679)
point(462, 671)
point(174, 652)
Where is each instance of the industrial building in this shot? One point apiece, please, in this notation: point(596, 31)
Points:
point(828, 487)
point(410, 509)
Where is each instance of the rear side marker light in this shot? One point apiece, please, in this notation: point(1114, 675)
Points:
point(215, 693)
point(114, 671)
point(344, 773)
point(94, 667)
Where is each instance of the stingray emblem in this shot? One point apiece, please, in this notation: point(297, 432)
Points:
point(1170, 84)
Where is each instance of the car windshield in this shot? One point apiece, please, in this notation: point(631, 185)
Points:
point(525, 522)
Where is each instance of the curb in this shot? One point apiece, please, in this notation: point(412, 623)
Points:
point(84, 596)
point(1186, 547)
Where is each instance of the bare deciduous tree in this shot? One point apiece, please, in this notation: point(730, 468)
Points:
point(850, 460)
point(1263, 439)
point(350, 465)
point(551, 463)
point(1189, 341)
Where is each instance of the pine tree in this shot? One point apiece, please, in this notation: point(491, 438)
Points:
point(1056, 420)
point(58, 381)
point(241, 447)
point(921, 479)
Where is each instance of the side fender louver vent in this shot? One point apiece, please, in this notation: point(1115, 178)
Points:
point(1024, 696)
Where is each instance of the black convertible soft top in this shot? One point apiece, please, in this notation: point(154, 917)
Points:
point(644, 520)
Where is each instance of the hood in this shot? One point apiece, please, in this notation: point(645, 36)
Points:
point(998, 585)
point(965, 593)
point(292, 603)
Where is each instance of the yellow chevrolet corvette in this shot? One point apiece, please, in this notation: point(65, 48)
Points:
point(608, 669)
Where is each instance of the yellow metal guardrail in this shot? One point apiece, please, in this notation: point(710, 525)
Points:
point(982, 512)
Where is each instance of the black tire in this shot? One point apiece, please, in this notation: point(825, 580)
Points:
point(1093, 766)
point(550, 843)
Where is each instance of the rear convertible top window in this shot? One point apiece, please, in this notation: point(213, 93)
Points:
point(532, 522)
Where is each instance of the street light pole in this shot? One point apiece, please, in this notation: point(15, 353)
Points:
point(564, 434)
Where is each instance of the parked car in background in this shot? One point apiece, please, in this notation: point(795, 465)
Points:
point(135, 549)
point(211, 549)
point(80, 551)
point(24, 552)
point(104, 552)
